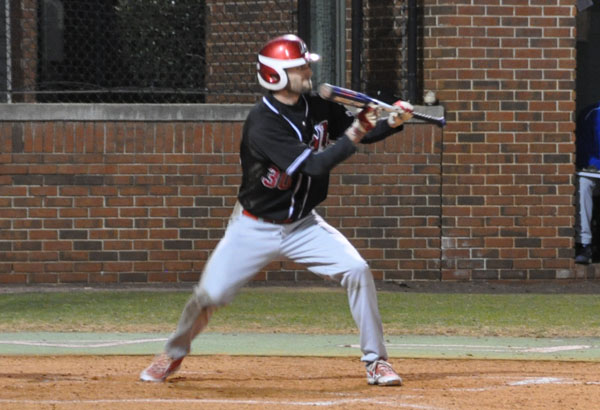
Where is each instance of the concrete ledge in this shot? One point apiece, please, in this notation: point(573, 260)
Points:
point(141, 112)
point(124, 112)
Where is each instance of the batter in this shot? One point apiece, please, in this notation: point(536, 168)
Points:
point(287, 153)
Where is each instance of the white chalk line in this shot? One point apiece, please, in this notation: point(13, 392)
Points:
point(93, 344)
point(80, 345)
point(540, 380)
point(319, 403)
point(528, 381)
point(505, 382)
point(481, 348)
point(554, 349)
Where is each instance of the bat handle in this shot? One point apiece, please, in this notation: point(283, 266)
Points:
point(441, 121)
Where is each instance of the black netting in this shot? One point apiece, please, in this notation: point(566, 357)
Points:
point(133, 50)
point(184, 51)
point(144, 51)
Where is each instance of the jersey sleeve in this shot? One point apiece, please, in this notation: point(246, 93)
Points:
point(381, 131)
point(593, 123)
point(277, 141)
point(320, 163)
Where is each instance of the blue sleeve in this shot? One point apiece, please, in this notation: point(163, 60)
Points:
point(588, 138)
point(595, 162)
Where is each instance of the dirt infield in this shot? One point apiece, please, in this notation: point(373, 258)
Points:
point(251, 382)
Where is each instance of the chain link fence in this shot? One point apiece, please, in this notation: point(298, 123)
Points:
point(384, 72)
point(180, 51)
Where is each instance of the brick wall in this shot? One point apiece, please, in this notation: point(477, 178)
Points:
point(505, 72)
point(118, 194)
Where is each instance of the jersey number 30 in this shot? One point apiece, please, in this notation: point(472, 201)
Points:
point(277, 179)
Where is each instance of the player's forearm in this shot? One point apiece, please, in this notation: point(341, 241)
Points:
point(381, 131)
point(319, 163)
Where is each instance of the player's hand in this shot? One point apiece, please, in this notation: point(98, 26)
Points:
point(404, 113)
point(363, 123)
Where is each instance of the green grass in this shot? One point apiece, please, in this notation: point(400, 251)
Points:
point(316, 310)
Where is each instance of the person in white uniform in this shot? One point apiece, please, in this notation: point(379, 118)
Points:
point(286, 156)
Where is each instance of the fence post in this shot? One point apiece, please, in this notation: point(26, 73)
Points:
point(8, 54)
point(412, 51)
point(357, 36)
point(304, 20)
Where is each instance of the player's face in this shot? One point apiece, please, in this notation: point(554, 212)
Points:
point(299, 81)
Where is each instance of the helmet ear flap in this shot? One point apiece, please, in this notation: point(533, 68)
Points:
point(271, 78)
point(268, 74)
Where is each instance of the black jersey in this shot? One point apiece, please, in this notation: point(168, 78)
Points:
point(286, 154)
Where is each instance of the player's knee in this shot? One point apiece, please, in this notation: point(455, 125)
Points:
point(212, 297)
point(357, 275)
point(202, 298)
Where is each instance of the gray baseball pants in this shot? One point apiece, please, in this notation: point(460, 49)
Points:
point(250, 244)
point(585, 207)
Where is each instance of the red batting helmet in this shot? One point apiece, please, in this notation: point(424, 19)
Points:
point(278, 54)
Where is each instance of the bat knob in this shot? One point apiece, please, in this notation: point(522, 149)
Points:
point(325, 91)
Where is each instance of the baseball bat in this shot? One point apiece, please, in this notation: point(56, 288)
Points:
point(357, 99)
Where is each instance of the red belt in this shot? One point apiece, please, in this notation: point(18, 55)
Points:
point(272, 221)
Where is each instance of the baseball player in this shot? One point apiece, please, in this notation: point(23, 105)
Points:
point(286, 156)
point(588, 159)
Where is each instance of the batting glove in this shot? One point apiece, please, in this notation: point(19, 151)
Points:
point(404, 113)
point(363, 123)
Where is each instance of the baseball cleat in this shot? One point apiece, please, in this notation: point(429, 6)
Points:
point(381, 373)
point(161, 367)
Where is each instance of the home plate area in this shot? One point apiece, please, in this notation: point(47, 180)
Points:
point(286, 382)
